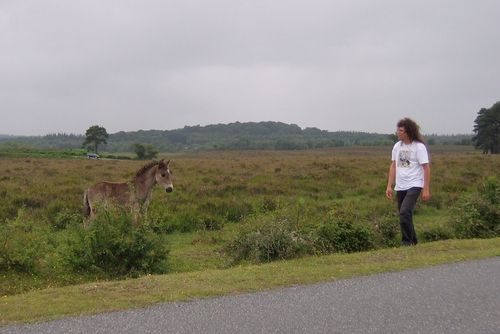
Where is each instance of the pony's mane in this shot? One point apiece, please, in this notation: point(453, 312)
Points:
point(146, 167)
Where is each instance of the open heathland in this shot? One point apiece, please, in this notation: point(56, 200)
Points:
point(229, 210)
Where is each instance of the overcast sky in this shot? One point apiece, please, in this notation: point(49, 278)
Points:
point(347, 65)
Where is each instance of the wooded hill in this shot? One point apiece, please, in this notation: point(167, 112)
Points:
point(233, 136)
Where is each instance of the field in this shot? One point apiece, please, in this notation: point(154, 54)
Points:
point(285, 202)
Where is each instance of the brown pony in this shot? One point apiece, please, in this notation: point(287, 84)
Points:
point(132, 194)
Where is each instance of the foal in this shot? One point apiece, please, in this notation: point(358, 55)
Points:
point(133, 194)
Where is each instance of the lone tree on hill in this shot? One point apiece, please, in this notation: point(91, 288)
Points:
point(487, 129)
point(95, 136)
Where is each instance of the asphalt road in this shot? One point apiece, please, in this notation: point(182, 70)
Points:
point(456, 298)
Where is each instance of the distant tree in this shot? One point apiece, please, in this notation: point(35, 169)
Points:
point(145, 152)
point(94, 136)
point(487, 129)
point(151, 152)
point(393, 137)
point(140, 151)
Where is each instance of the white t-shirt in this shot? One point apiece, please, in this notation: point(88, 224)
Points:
point(409, 160)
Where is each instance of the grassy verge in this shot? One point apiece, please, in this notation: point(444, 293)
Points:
point(110, 296)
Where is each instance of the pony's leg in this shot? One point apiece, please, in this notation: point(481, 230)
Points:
point(92, 212)
point(86, 221)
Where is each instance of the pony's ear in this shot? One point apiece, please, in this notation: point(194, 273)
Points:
point(162, 163)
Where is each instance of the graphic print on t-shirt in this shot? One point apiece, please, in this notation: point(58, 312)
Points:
point(404, 159)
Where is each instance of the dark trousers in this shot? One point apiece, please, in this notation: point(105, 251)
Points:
point(407, 199)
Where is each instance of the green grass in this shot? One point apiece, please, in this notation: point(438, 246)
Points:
point(196, 251)
point(96, 297)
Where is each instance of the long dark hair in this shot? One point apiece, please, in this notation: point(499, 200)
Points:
point(411, 128)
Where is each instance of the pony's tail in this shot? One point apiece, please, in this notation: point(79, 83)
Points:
point(86, 205)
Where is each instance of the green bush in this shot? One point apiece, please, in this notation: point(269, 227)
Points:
point(63, 219)
point(491, 188)
point(112, 246)
point(387, 232)
point(473, 216)
point(477, 214)
point(345, 231)
point(340, 236)
point(162, 222)
point(276, 241)
point(21, 244)
point(436, 233)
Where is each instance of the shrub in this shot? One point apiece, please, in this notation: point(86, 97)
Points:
point(64, 218)
point(436, 233)
point(276, 241)
point(162, 222)
point(343, 231)
point(387, 232)
point(477, 215)
point(491, 188)
point(111, 245)
point(339, 236)
point(279, 240)
point(21, 244)
point(473, 216)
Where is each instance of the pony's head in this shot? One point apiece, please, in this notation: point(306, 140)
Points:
point(162, 176)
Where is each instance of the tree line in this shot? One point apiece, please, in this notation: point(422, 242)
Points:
point(233, 136)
